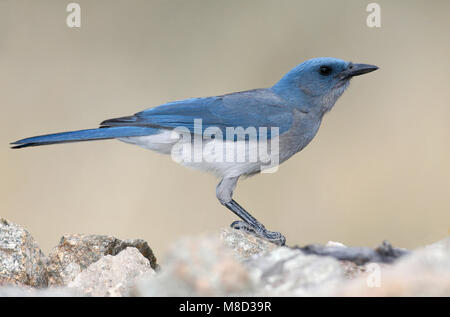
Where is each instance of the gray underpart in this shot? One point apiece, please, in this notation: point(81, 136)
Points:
point(225, 188)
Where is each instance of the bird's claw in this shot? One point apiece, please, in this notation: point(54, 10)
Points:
point(260, 232)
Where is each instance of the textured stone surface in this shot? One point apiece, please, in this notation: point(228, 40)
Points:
point(288, 272)
point(10, 291)
point(225, 264)
point(352, 270)
point(198, 267)
point(425, 272)
point(21, 260)
point(245, 245)
point(113, 275)
point(76, 252)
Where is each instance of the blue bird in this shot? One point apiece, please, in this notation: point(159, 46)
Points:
point(287, 116)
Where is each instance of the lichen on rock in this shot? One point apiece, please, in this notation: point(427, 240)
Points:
point(76, 252)
point(21, 260)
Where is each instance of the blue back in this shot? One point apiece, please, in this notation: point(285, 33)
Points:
point(253, 108)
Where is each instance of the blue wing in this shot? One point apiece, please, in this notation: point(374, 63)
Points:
point(253, 108)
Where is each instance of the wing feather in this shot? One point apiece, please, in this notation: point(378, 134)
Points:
point(254, 108)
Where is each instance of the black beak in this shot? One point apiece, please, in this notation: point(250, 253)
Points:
point(356, 70)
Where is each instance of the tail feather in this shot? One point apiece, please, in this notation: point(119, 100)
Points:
point(84, 135)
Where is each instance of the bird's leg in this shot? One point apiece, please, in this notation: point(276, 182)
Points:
point(253, 226)
point(224, 192)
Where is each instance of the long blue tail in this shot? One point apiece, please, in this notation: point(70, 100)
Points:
point(84, 135)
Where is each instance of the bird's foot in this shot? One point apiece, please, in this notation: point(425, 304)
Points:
point(260, 232)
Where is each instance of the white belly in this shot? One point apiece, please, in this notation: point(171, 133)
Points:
point(235, 158)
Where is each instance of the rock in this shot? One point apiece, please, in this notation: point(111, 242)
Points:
point(245, 245)
point(385, 253)
point(113, 275)
point(10, 291)
point(335, 244)
point(76, 252)
point(289, 272)
point(21, 260)
point(200, 266)
point(424, 272)
point(352, 270)
point(230, 264)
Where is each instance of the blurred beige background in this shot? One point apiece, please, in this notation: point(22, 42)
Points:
point(378, 169)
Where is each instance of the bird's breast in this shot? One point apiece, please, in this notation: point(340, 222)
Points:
point(303, 129)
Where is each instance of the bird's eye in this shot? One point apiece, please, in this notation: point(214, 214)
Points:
point(325, 70)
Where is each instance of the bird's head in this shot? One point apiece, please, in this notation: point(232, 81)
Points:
point(319, 81)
